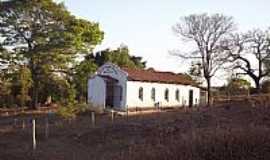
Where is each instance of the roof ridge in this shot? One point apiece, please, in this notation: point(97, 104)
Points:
point(138, 74)
point(151, 69)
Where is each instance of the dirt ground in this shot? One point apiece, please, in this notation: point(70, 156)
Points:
point(226, 132)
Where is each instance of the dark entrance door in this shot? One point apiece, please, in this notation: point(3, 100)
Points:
point(109, 95)
point(113, 93)
point(190, 98)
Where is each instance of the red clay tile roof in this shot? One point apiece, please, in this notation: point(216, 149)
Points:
point(151, 75)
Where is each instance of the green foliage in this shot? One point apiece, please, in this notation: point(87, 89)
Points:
point(4, 57)
point(70, 111)
point(71, 95)
point(45, 38)
point(6, 98)
point(86, 34)
point(44, 42)
point(67, 112)
point(266, 87)
point(238, 83)
point(138, 61)
point(120, 57)
point(238, 86)
point(24, 83)
point(82, 72)
point(58, 88)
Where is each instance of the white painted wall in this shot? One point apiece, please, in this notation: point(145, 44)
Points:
point(96, 91)
point(134, 101)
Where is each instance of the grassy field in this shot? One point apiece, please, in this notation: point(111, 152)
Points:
point(237, 132)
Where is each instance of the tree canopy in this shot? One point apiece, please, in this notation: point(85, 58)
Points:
point(119, 56)
point(43, 36)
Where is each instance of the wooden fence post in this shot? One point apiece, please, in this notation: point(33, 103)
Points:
point(47, 127)
point(23, 124)
point(93, 118)
point(15, 122)
point(127, 114)
point(34, 134)
point(112, 115)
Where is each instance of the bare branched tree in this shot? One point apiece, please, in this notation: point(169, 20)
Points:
point(250, 53)
point(207, 31)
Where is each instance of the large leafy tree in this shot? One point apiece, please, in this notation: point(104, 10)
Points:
point(119, 56)
point(24, 83)
point(45, 37)
point(5, 93)
point(81, 74)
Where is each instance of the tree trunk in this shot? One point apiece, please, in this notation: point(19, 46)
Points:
point(209, 94)
point(257, 85)
point(35, 95)
point(35, 88)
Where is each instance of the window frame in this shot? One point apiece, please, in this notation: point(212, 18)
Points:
point(140, 94)
point(167, 95)
point(153, 94)
point(177, 95)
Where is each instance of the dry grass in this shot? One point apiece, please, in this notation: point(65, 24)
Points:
point(234, 132)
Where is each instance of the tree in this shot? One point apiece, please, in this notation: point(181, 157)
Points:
point(119, 56)
point(24, 82)
point(45, 37)
point(266, 86)
point(138, 61)
point(5, 93)
point(3, 57)
point(207, 32)
point(195, 71)
point(57, 89)
point(238, 86)
point(250, 53)
point(81, 74)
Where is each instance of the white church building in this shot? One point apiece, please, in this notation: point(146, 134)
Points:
point(126, 88)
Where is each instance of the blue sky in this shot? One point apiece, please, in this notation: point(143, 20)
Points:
point(145, 25)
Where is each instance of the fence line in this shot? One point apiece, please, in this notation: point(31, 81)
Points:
point(235, 97)
point(34, 134)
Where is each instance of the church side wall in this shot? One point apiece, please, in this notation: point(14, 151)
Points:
point(133, 99)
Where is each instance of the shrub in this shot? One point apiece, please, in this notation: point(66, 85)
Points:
point(71, 110)
point(266, 87)
point(67, 112)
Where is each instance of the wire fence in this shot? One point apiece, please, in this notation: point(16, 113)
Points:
point(249, 100)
